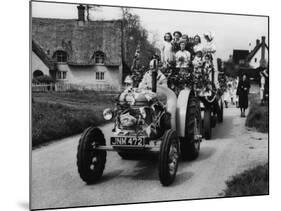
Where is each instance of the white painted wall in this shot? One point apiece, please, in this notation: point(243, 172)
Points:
point(83, 75)
point(37, 64)
point(255, 61)
point(86, 75)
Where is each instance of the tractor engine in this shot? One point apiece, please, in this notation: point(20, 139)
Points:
point(140, 112)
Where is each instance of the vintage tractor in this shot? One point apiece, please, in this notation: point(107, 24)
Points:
point(212, 109)
point(211, 105)
point(145, 121)
point(204, 88)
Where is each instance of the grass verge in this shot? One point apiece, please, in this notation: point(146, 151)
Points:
point(59, 115)
point(251, 182)
point(54, 121)
point(258, 116)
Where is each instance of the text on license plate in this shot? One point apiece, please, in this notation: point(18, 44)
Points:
point(135, 141)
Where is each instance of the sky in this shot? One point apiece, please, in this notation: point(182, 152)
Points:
point(229, 31)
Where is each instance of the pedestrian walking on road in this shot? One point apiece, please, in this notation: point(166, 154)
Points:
point(263, 86)
point(243, 91)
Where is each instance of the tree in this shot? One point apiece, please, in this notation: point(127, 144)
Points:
point(133, 35)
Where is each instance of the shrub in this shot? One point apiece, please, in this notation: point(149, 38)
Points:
point(45, 79)
point(258, 117)
point(251, 182)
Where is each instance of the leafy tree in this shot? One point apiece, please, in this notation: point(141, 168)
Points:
point(135, 35)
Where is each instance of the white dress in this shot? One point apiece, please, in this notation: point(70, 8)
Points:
point(209, 47)
point(226, 96)
point(186, 58)
point(167, 54)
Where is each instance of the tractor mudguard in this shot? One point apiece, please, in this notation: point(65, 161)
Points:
point(182, 104)
point(171, 103)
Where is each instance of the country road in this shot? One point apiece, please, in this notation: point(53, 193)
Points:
point(233, 148)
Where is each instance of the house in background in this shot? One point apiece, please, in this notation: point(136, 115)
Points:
point(240, 56)
point(41, 63)
point(86, 53)
point(249, 62)
point(258, 57)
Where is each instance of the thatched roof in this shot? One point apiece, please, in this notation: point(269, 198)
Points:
point(42, 55)
point(80, 40)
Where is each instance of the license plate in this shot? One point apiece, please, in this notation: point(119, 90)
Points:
point(128, 140)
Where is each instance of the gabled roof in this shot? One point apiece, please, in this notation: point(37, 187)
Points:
point(239, 55)
point(42, 55)
point(255, 50)
point(80, 39)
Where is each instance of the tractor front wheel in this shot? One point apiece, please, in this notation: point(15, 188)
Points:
point(168, 157)
point(91, 162)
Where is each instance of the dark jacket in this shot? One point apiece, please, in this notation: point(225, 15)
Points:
point(243, 91)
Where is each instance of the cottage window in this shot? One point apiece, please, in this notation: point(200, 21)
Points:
point(61, 75)
point(256, 59)
point(99, 57)
point(60, 56)
point(100, 76)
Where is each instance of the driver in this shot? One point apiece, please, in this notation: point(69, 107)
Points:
point(162, 90)
point(146, 81)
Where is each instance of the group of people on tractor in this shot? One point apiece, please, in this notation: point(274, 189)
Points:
point(184, 61)
point(187, 61)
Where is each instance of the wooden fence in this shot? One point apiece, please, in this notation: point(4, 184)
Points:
point(60, 87)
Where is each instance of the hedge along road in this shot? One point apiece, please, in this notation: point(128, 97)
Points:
point(56, 183)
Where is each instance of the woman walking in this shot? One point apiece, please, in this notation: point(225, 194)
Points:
point(242, 92)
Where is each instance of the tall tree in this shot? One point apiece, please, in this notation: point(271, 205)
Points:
point(134, 35)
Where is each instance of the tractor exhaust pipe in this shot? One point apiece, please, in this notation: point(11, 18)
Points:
point(154, 76)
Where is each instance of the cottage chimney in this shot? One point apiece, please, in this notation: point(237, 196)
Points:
point(263, 62)
point(257, 42)
point(81, 12)
point(263, 39)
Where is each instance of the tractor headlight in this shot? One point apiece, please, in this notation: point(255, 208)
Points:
point(107, 114)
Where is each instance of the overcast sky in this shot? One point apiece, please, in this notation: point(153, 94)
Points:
point(230, 31)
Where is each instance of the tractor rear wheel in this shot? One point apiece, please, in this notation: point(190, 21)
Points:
point(207, 124)
point(190, 144)
point(168, 157)
point(91, 162)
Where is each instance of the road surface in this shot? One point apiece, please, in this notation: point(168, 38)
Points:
point(234, 148)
